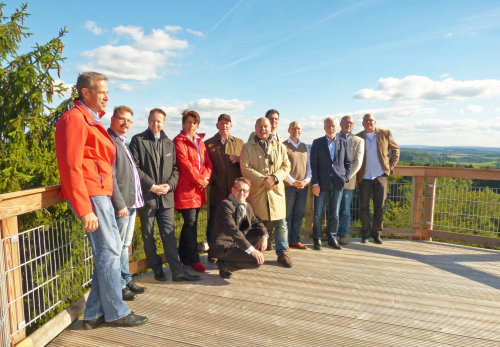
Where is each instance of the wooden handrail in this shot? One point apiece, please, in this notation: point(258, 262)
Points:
point(21, 202)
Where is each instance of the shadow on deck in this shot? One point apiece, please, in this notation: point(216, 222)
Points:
point(400, 293)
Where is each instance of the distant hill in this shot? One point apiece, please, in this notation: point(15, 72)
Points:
point(477, 157)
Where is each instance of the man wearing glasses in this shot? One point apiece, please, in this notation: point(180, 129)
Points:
point(127, 195)
point(239, 237)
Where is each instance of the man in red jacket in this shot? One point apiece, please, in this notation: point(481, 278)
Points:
point(85, 154)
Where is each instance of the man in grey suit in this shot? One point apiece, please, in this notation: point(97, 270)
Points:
point(127, 195)
point(356, 148)
point(381, 156)
point(154, 156)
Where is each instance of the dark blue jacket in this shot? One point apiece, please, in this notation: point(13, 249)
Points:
point(324, 170)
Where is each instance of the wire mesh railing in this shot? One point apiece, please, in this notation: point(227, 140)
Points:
point(56, 261)
point(466, 209)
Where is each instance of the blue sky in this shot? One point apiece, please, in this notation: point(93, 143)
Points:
point(427, 70)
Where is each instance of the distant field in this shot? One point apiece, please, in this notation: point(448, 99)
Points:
point(476, 157)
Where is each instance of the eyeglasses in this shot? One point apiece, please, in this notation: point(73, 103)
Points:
point(123, 119)
point(241, 190)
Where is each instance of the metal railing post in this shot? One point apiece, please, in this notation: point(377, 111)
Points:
point(10, 239)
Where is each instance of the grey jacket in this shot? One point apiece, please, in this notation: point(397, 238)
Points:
point(123, 176)
point(154, 167)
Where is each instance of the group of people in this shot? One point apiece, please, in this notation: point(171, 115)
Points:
point(257, 189)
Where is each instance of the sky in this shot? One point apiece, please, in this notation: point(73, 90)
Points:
point(428, 70)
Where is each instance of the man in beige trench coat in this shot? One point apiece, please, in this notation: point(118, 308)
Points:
point(265, 163)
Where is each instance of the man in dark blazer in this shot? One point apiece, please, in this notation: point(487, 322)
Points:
point(224, 151)
point(127, 195)
point(381, 156)
point(330, 166)
point(239, 236)
point(154, 156)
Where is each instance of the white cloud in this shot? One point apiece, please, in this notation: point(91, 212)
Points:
point(172, 28)
point(447, 35)
point(144, 57)
point(417, 89)
point(195, 33)
point(472, 109)
point(444, 75)
point(93, 28)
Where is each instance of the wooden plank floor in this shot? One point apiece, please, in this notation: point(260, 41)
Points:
point(400, 293)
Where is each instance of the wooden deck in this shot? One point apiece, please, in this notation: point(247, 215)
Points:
point(401, 293)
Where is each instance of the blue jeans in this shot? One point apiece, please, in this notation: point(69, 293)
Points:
point(345, 212)
point(105, 296)
point(280, 235)
point(126, 228)
point(295, 204)
point(331, 197)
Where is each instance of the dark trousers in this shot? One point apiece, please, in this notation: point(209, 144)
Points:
point(295, 205)
point(237, 258)
point(188, 242)
point(165, 219)
point(210, 225)
point(376, 190)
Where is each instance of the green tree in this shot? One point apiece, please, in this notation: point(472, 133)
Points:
point(27, 87)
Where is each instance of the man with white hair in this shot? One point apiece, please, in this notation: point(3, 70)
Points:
point(330, 166)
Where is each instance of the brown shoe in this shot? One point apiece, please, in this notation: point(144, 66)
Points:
point(298, 245)
point(284, 259)
point(343, 240)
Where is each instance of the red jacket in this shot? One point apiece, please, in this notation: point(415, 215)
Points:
point(85, 154)
point(188, 193)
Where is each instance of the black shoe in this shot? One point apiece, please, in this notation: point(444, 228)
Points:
point(334, 243)
point(223, 271)
point(134, 288)
point(160, 276)
point(186, 276)
point(317, 244)
point(92, 323)
point(127, 295)
point(130, 320)
point(377, 239)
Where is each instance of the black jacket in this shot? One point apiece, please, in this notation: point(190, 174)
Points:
point(154, 168)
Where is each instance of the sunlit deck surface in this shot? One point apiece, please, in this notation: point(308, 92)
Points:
point(400, 293)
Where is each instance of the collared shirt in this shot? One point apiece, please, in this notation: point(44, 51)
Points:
point(139, 200)
point(92, 113)
point(289, 179)
point(274, 135)
point(224, 140)
point(332, 146)
point(373, 169)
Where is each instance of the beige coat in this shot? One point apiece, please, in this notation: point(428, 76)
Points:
point(267, 204)
point(356, 148)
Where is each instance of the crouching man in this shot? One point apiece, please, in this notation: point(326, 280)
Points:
point(238, 237)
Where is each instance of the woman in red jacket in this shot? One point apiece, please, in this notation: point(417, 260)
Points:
point(195, 169)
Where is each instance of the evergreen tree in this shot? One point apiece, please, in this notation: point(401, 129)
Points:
point(27, 121)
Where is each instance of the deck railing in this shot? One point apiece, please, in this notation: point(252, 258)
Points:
point(39, 267)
